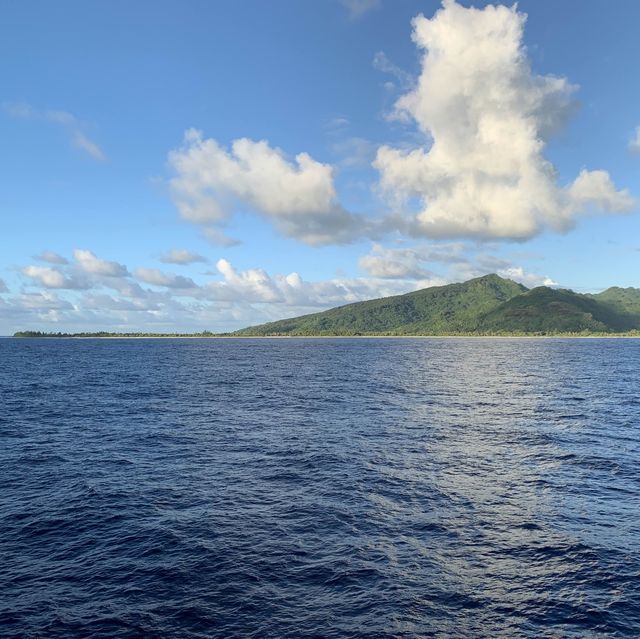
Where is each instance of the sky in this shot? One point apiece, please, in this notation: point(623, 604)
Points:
point(188, 166)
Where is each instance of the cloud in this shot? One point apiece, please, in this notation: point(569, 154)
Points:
point(52, 278)
point(48, 277)
point(253, 285)
point(218, 238)
point(530, 280)
point(634, 142)
point(158, 278)
point(338, 123)
point(354, 151)
point(485, 117)
point(102, 303)
point(382, 63)
point(82, 142)
point(87, 271)
point(211, 183)
point(357, 8)
point(181, 256)
point(125, 287)
point(74, 126)
point(287, 294)
point(402, 263)
point(41, 302)
point(236, 298)
point(479, 265)
point(595, 188)
point(457, 262)
point(51, 257)
point(89, 263)
point(19, 110)
point(3, 286)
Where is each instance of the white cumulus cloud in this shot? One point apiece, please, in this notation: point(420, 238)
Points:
point(253, 285)
point(51, 277)
point(530, 280)
point(89, 263)
point(287, 295)
point(595, 188)
point(211, 183)
point(485, 117)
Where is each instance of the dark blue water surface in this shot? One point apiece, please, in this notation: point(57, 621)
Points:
point(320, 488)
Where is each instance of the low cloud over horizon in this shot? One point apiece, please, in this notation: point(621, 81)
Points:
point(91, 291)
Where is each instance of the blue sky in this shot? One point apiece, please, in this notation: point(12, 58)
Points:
point(373, 155)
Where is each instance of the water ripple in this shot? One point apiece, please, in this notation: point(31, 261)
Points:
point(351, 488)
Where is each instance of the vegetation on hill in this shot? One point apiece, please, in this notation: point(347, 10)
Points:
point(547, 310)
point(488, 305)
point(437, 310)
point(625, 301)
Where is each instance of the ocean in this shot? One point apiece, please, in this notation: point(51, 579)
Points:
point(285, 488)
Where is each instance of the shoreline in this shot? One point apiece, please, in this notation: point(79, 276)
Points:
point(260, 337)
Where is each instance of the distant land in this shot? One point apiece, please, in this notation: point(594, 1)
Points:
point(484, 306)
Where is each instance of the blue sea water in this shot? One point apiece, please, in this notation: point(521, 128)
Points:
point(361, 488)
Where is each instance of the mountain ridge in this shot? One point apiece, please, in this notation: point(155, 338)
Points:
point(487, 305)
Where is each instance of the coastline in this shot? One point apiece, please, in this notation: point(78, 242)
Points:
point(315, 337)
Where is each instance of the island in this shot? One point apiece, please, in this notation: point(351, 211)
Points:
point(483, 306)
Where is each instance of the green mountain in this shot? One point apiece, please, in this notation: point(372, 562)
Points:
point(547, 310)
point(622, 300)
point(485, 305)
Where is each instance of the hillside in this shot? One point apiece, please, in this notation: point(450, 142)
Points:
point(621, 300)
point(485, 305)
point(436, 310)
point(546, 310)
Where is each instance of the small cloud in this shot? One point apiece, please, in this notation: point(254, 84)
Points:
point(460, 262)
point(52, 278)
point(357, 8)
point(218, 238)
point(48, 277)
point(51, 257)
point(394, 263)
point(634, 142)
point(89, 263)
point(181, 256)
point(354, 151)
point(19, 110)
point(59, 117)
point(337, 123)
point(159, 278)
point(3, 286)
point(82, 142)
point(382, 63)
point(70, 122)
point(530, 280)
